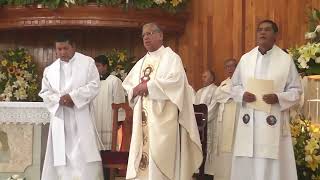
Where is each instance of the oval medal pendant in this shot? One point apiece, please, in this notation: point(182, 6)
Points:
point(246, 118)
point(271, 120)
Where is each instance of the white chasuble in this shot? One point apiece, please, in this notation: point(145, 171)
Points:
point(72, 152)
point(263, 148)
point(111, 91)
point(165, 143)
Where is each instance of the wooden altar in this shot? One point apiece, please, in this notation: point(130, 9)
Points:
point(22, 144)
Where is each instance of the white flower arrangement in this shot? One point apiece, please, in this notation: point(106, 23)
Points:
point(18, 76)
point(307, 56)
point(119, 63)
point(16, 177)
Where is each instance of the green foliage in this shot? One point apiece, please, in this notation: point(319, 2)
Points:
point(314, 19)
point(109, 2)
point(143, 4)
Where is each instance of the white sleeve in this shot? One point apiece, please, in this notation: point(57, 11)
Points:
point(293, 90)
point(84, 94)
point(50, 97)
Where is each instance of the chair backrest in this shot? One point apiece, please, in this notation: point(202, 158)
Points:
point(126, 126)
point(201, 114)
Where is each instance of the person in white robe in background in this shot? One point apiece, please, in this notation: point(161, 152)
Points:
point(205, 95)
point(224, 111)
point(69, 85)
point(111, 91)
point(263, 147)
point(165, 143)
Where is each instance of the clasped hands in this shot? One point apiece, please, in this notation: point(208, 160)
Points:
point(66, 100)
point(141, 89)
point(267, 98)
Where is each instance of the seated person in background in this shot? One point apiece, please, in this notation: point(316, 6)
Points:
point(205, 96)
point(111, 91)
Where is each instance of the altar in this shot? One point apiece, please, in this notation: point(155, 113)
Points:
point(22, 139)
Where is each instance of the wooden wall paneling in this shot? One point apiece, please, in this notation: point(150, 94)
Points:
point(209, 43)
point(250, 24)
point(215, 30)
point(238, 29)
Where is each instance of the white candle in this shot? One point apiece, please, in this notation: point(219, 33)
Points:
point(317, 118)
point(127, 1)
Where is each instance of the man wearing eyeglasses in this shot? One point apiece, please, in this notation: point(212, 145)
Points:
point(165, 140)
point(263, 147)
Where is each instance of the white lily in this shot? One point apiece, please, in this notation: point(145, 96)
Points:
point(310, 35)
point(317, 60)
point(317, 29)
point(15, 176)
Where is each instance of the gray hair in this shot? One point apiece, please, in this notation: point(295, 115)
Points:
point(153, 25)
point(230, 60)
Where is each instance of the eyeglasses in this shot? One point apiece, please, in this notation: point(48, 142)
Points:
point(148, 33)
point(264, 29)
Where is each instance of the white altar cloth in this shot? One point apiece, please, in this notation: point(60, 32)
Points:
point(24, 112)
point(23, 143)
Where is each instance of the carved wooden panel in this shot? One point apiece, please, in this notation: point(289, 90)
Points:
point(88, 16)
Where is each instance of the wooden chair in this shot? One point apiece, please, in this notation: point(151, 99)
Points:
point(201, 113)
point(115, 160)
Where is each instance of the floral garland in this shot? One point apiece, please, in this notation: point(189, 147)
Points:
point(305, 139)
point(170, 5)
point(18, 77)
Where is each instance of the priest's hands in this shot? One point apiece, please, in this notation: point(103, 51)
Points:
point(267, 98)
point(141, 89)
point(66, 100)
point(270, 98)
point(248, 97)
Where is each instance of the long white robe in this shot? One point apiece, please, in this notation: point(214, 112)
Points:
point(205, 96)
point(224, 111)
point(111, 91)
point(173, 147)
point(276, 161)
point(72, 152)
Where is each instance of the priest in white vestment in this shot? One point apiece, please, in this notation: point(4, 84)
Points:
point(205, 96)
point(111, 91)
point(165, 143)
point(263, 147)
point(224, 111)
point(69, 85)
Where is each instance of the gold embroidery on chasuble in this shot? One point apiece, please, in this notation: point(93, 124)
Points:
point(147, 73)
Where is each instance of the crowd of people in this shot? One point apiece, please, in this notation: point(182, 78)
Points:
point(244, 142)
